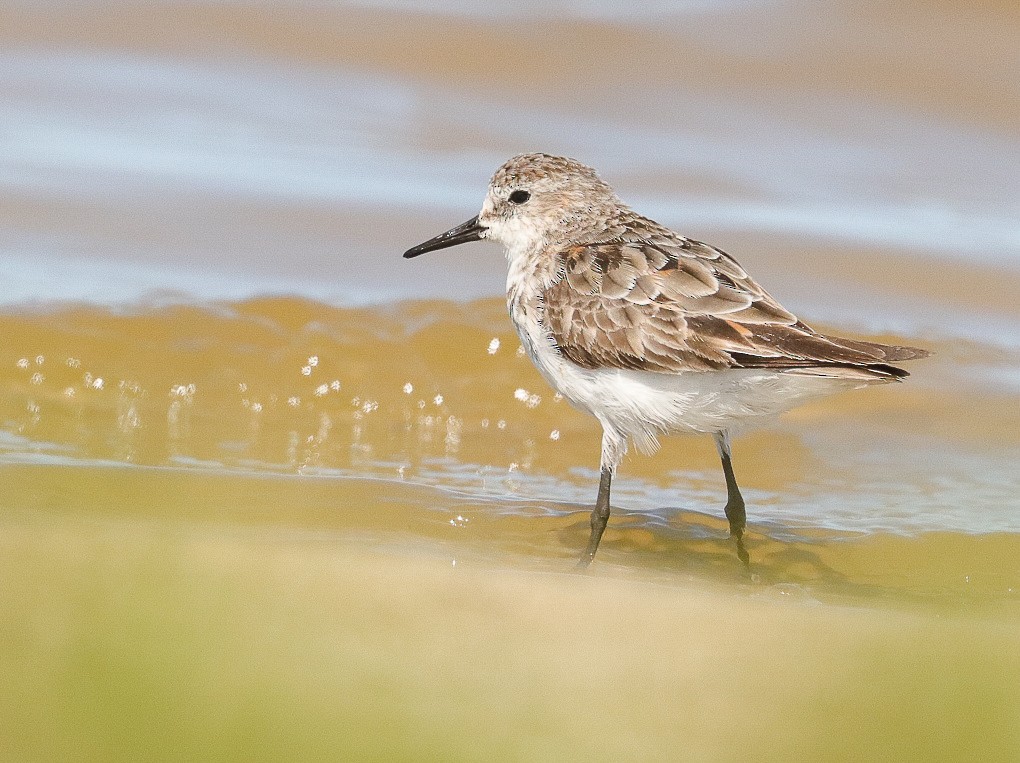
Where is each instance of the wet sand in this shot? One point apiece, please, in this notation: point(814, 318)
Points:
point(180, 640)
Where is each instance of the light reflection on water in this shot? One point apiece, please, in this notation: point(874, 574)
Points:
point(419, 396)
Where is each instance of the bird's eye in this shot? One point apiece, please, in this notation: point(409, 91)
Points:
point(519, 197)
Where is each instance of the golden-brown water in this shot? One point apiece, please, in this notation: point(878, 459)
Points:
point(272, 492)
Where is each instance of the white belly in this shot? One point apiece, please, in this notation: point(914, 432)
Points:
point(641, 405)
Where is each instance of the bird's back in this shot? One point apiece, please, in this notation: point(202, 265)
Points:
point(648, 299)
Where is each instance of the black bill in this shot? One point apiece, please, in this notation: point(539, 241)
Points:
point(469, 231)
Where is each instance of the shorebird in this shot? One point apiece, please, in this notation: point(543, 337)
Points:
point(649, 331)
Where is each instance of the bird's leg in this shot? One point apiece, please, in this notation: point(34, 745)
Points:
point(599, 518)
point(614, 447)
point(734, 509)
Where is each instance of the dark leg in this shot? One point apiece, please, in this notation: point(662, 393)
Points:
point(734, 501)
point(599, 519)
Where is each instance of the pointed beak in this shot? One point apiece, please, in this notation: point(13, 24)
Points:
point(469, 231)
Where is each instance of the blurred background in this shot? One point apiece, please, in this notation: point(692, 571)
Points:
point(253, 460)
point(228, 149)
point(168, 167)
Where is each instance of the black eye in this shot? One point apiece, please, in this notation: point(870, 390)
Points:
point(519, 197)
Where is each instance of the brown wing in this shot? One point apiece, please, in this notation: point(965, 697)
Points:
point(668, 304)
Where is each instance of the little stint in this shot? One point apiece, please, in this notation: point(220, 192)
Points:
point(648, 331)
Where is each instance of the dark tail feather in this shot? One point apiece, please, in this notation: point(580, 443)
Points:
point(894, 372)
point(873, 372)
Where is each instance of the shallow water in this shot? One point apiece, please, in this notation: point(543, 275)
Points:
point(266, 482)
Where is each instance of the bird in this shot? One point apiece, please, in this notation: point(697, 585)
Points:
point(649, 331)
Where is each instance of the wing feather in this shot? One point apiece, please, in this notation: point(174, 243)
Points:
point(655, 301)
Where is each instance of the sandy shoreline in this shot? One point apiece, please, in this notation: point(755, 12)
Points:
point(252, 643)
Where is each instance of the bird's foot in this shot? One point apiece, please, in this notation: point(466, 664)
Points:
point(742, 554)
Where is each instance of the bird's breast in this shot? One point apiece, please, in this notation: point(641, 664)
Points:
point(526, 316)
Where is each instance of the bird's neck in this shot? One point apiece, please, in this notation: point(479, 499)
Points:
point(531, 269)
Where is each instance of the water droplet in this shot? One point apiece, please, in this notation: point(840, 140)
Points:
point(179, 390)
